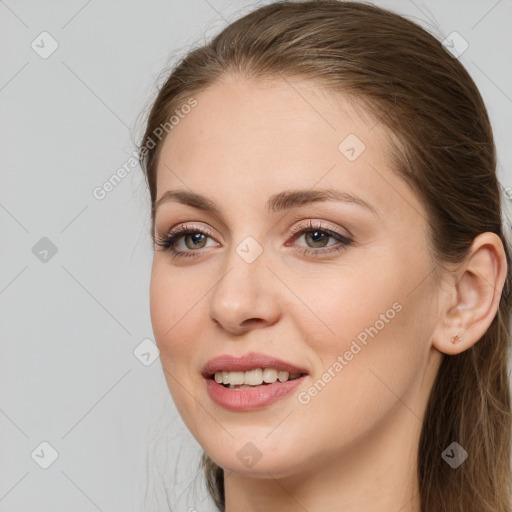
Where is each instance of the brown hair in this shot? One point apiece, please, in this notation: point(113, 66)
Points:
point(441, 143)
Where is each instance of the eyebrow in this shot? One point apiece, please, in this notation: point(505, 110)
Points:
point(278, 202)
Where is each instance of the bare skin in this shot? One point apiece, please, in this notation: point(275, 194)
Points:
point(352, 445)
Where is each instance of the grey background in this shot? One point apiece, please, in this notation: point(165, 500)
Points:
point(70, 324)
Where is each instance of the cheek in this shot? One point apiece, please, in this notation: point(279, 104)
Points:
point(337, 306)
point(369, 336)
point(174, 304)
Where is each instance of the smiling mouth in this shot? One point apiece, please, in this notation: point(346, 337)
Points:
point(253, 378)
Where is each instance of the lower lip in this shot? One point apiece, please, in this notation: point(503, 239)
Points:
point(249, 399)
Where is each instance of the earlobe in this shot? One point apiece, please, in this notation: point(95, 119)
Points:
point(455, 339)
point(474, 295)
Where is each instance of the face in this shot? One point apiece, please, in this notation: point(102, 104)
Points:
point(338, 287)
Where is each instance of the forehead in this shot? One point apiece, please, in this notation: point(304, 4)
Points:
point(254, 119)
point(253, 140)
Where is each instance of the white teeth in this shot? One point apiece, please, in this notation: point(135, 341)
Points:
point(236, 377)
point(282, 376)
point(254, 377)
point(269, 375)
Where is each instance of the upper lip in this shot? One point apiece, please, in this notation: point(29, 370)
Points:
point(249, 361)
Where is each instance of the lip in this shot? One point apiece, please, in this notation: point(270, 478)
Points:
point(250, 399)
point(227, 362)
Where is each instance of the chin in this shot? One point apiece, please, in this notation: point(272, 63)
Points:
point(252, 462)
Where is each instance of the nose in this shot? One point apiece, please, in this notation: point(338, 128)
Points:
point(246, 296)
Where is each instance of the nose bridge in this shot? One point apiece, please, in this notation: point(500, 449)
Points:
point(245, 290)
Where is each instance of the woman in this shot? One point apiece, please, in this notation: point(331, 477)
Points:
point(330, 290)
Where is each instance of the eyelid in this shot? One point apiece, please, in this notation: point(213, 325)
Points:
point(299, 228)
point(167, 240)
point(320, 225)
point(187, 226)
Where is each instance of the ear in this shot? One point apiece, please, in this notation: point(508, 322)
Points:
point(473, 296)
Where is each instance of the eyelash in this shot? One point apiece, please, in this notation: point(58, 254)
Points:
point(168, 240)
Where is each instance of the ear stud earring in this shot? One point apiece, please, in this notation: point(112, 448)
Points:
point(456, 339)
